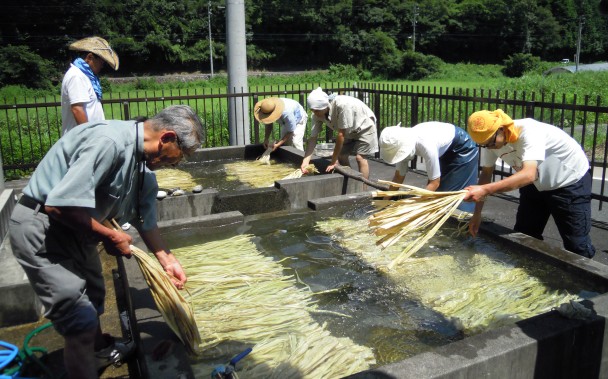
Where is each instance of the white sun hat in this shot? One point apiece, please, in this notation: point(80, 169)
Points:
point(397, 144)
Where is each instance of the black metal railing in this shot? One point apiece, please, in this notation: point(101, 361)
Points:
point(28, 130)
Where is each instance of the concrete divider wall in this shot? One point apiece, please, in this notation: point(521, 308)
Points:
point(18, 303)
point(190, 205)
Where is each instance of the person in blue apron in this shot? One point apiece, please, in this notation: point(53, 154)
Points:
point(450, 155)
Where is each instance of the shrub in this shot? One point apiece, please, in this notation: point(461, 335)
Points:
point(416, 66)
point(21, 66)
point(518, 64)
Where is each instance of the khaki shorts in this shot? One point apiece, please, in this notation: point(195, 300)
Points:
point(364, 143)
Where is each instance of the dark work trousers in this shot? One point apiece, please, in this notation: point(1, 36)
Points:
point(570, 207)
point(459, 166)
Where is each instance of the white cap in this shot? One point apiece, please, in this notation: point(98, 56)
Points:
point(318, 100)
point(397, 144)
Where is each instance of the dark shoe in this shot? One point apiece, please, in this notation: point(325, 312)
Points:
point(117, 353)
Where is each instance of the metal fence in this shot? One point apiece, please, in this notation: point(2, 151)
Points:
point(28, 130)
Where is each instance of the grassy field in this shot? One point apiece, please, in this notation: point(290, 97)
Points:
point(26, 134)
point(461, 75)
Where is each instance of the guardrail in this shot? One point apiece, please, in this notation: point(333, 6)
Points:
point(28, 130)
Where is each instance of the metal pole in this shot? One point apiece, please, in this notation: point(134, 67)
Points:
point(210, 41)
point(414, 27)
point(578, 42)
point(238, 106)
point(1, 174)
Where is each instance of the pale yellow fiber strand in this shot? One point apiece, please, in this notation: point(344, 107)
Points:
point(476, 293)
point(298, 172)
point(242, 298)
point(169, 178)
point(420, 214)
point(256, 174)
point(172, 305)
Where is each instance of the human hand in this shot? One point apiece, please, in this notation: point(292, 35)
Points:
point(330, 168)
point(176, 272)
point(118, 243)
point(474, 224)
point(476, 193)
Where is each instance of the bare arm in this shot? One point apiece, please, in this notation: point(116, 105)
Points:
point(337, 150)
point(432, 185)
point(525, 176)
point(310, 148)
point(167, 260)
point(80, 115)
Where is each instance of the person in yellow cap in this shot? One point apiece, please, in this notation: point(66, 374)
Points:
point(355, 124)
point(551, 172)
point(450, 155)
point(291, 117)
point(81, 91)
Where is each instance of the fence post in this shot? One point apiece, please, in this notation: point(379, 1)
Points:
point(530, 109)
point(414, 122)
point(1, 174)
point(125, 110)
point(256, 124)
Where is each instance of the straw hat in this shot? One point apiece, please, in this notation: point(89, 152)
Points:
point(99, 47)
point(268, 110)
point(397, 144)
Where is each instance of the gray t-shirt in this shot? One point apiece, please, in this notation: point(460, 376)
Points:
point(95, 166)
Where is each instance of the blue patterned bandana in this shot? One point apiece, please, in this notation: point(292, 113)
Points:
point(86, 69)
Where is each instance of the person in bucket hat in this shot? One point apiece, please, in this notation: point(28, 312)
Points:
point(355, 124)
point(81, 91)
point(552, 174)
point(450, 156)
point(289, 114)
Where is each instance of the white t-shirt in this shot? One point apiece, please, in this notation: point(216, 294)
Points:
point(561, 160)
point(432, 141)
point(76, 88)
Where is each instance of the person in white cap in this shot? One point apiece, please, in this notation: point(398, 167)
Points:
point(355, 124)
point(81, 92)
point(291, 117)
point(450, 155)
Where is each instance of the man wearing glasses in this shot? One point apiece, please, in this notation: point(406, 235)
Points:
point(551, 172)
point(98, 171)
point(81, 91)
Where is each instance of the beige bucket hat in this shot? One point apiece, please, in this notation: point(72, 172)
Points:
point(99, 47)
point(397, 144)
point(268, 110)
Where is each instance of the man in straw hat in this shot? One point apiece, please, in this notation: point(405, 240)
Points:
point(98, 171)
point(356, 126)
point(551, 172)
point(291, 117)
point(450, 156)
point(80, 89)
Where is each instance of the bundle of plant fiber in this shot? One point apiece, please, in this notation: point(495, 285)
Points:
point(174, 308)
point(265, 157)
point(421, 214)
point(174, 178)
point(256, 174)
point(298, 172)
point(473, 290)
point(243, 300)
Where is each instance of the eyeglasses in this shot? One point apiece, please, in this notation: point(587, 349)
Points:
point(491, 144)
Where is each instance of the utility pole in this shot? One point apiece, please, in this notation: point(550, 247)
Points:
point(238, 106)
point(581, 21)
point(414, 14)
point(210, 40)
